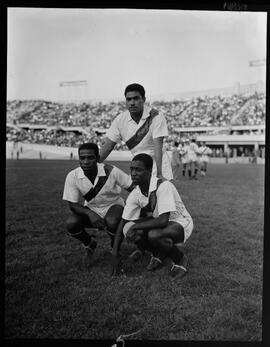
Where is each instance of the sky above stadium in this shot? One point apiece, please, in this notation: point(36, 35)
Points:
point(168, 51)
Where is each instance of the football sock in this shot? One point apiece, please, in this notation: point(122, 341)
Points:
point(195, 172)
point(163, 248)
point(143, 244)
point(175, 254)
point(184, 172)
point(82, 236)
point(189, 173)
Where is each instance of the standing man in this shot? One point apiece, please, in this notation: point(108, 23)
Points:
point(175, 161)
point(204, 153)
point(142, 129)
point(168, 224)
point(184, 156)
point(100, 186)
point(193, 160)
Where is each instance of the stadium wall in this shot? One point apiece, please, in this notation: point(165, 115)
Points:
point(39, 151)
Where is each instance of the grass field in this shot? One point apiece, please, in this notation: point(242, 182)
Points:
point(51, 292)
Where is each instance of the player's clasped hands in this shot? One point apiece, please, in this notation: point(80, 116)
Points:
point(131, 234)
point(98, 222)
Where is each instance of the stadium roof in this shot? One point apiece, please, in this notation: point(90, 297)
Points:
point(233, 139)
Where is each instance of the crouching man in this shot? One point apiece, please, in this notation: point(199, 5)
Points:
point(100, 186)
point(168, 225)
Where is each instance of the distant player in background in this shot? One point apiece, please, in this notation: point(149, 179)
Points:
point(142, 129)
point(204, 153)
point(193, 160)
point(183, 151)
point(175, 161)
point(100, 186)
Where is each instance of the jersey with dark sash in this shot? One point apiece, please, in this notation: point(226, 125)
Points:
point(140, 133)
point(93, 192)
point(204, 150)
point(149, 208)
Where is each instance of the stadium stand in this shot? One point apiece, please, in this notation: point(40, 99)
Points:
point(68, 124)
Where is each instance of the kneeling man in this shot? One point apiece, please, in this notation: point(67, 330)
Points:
point(168, 225)
point(100, 186)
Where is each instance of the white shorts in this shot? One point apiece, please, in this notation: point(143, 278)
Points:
point(193, 158)
point(187, 230)
point(185, 160)
point(102, 211)
point(205, 159)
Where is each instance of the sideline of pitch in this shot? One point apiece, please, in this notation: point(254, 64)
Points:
point(40, 151)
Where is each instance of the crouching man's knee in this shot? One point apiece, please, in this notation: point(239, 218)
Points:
point(156, 238)
point(113, 218)
point(73, 224)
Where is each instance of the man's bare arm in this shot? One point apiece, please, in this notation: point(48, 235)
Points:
point(152, 223)
point(118, 237)
point(116, 247)
point(95, 219)
point(106, 148)
point(158, 146)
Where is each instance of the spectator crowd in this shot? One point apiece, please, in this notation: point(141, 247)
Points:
point(205, 111)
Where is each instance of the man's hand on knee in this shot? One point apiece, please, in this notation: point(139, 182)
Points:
point(98, 222)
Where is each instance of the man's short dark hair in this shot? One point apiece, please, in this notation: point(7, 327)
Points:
point(135, 87)
point(176, 143)
point(89, 145)
point(146, 159)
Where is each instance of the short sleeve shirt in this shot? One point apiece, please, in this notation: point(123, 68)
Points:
point(184, 151)
point(193, 148)
point(77, 184)
point(124, 127)
point(204, 150)
point(172, 204)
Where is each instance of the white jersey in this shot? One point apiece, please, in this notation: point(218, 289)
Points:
point(192, 152)
point(77, 184)
point(184, 150)
point(168, 200)
point(204, 153)
point(124, 127)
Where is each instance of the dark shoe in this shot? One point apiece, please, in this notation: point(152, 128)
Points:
point(180, 269)
point(136, 255)
point(91, 248)
point(154, 264)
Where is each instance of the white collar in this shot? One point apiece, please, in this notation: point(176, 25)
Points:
point(146, 114)
point(152, 185)
point(100, 171)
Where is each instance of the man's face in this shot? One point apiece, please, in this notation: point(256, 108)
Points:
point(88, 160)
point(138, 172)
point(134, 102)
